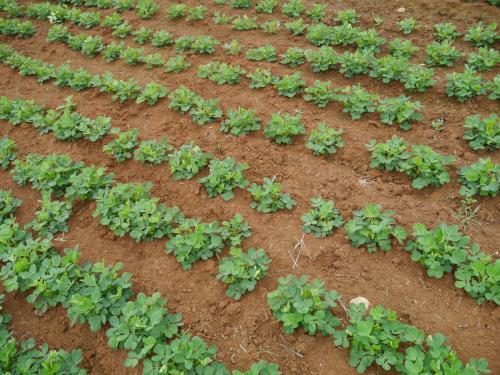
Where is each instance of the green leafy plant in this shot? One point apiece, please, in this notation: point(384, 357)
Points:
point(153, 152)
point(161, 38)
point(240, 121)
point(420, 162)
point(322, 219)
point(293, 57)
point(268, 196)
point(49, 173)
point(225, 175)
point(321, 59)
point(374, 228)
point(196, 13)
point(235, 230)
point(482, 35)
point(221, 73)
point(483, 133)
point(187, 161)
point(153, 60)
point(233, 48)
point(480, 178)
point(8, 205)
point(15, 27)
point(205, 111)
point(87, 183)
point(479, 277)
point(151, 93)
point(375, 337)
point(271, 27)
point(407, 25)
point(293, 8)
point(298, 303)
point(123, 30)
point(296, 27)
point(402, 48)
point(357, 101)
point(7, 153)
point(260, 78)
point(146, 8)
point(484, 59)
point(440, 249)
point(177, 64)
point(264, 53)
point(390, 154)
point(242, 270)
point(182, 99)
point(369, 40)
point(441, 54)
point(290, 85)
point(130, 209)
point(493, 88)
point(465, 85)
point(176, 11)
point(193, 240)
point(140, 325)
point(244, 23)
point(52, 217)
point(132, 55)
point(355, 63)
point(324, 140)
point(260, 368)
point(445, 31)
point(113, 51)
point(99, 294)
point(266, 6)
point(281, 128)
point(142, 35)
point(400, 110)
point(221, 18)
point(320, 34)
point(183, 355)
point(317, 12)
point(123, 146)
point(388, 68)
point(320, 93)
point(241, 4)
point(347, 17)
point(418, 78)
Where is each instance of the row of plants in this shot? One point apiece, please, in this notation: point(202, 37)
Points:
point(15, 27)
point(158, 341)
point(81, 79)
point(281, 128)
point(129, 209)
point(64, 122)
point(479, 34)
point(374, 337)
point(225, 175)
point(356, 101)
point(24, 357)
point(462, 85)
point(426, 167)
point(393, 67)
point(101, 296)
point(440, 250)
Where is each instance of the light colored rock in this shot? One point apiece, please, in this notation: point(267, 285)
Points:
point(401, 10)
point(362, 300)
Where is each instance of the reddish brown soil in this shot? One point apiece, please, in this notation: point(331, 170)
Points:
point(245, 331)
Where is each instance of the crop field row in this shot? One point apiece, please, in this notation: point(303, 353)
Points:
point(249, 187)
